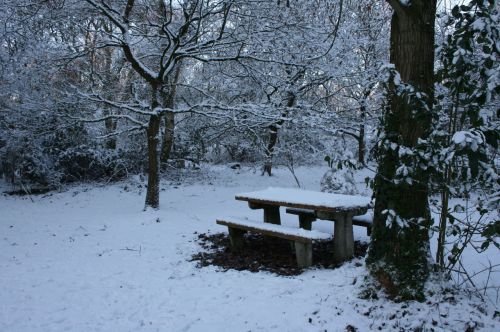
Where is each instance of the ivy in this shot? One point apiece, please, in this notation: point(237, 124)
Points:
point(465, 138)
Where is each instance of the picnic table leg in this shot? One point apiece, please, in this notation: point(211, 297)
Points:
point(303, 253)
point(343, 238)
point(236, 238)
point(305, 222)
point(272, 214)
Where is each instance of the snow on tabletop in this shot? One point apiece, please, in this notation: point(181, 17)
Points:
point(290, 196)
point(313, 234)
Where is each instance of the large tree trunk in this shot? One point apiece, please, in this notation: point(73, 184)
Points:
point(399, 250)
point(153, 133)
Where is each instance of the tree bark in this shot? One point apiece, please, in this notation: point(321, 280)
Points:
point(399, 255)
point(361, 137)
point(273, 136)
point(153, 133)
point(168, 136)
point(110, 123)
point(443, 219)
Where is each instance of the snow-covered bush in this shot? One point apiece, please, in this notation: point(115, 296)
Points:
point(464, 145)
point(339, 178)
point(27, 163)
point(60, 156)
point(86, 163)
point(338, 181)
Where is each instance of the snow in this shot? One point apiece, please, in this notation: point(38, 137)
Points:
point(472, 138)
point(89, 259)
point(306, 198)
point(459, 137)
point(479, 24)
point(367, 217)
point(313, 234)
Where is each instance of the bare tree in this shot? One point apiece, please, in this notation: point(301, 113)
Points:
point(154, 38)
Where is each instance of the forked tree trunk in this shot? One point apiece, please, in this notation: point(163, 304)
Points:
point(399, 256)
point(153, 139)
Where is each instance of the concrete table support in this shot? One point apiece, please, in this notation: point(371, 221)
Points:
point(301, 240)
point(305, 222)
point(306, 217)
point(303, 252)
point(271, 212)
point(343, 237)
point(236, 238)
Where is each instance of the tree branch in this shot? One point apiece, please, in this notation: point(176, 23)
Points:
point(398, 8)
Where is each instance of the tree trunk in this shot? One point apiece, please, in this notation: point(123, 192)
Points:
point(399, 251)
point(361, 138)
point(273, 136)
point(110, 125)
point(153, 133)
point(361, 145)
point(445, 196)
point(168, 137)
point(445, 193)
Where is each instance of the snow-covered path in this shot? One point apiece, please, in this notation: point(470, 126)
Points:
point(89, 259)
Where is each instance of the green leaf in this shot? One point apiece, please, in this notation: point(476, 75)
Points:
point(492, 230)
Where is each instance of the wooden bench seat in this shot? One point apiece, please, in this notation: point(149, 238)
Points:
point(306, 217)
point(302, 238)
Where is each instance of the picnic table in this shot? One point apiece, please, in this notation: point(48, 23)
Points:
point(335, 207)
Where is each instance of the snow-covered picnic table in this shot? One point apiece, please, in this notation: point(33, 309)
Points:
point(335, 207)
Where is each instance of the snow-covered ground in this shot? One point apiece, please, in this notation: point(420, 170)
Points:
point(89, 259)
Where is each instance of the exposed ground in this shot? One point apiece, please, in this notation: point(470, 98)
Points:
point(260, 254)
